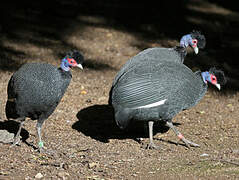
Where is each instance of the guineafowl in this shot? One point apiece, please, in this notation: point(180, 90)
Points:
point(36, 89)
point(153, 56)
point(159, 92)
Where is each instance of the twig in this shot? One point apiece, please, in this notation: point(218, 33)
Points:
point(226, 161)
point(223, 161)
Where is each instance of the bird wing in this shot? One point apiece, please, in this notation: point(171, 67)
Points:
point(146, 87)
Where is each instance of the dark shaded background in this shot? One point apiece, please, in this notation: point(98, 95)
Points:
point(148, 21)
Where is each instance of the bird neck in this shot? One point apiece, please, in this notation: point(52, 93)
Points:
point(181, 51)
point(185, 40)
point(205, 76)
point(64, 65)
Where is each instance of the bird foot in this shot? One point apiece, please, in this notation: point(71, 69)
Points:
point(188, 143)
point(151, 145)
point(16, 141)
point(43, 150)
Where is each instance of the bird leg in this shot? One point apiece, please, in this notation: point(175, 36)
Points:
point(180, 136)
point(151, 144)
point(38, 127)
point(40, 142)
point(17, 137)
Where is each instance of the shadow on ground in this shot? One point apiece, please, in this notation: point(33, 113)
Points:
point(98, 122)
point(48, 24)
point(12, 127)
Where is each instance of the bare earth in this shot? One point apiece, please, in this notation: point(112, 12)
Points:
point(81, 134)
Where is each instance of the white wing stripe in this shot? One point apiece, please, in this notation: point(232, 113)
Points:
point(152, 105)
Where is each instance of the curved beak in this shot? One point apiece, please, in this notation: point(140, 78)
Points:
point(218, 86)
point(196, 49)
point(79, 66)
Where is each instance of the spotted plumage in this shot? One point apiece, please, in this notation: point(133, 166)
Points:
point(156, 56)
point(159, 92)
point(36, 89)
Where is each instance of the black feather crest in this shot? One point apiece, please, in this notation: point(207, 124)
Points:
point(200, 37)
point(221, 78)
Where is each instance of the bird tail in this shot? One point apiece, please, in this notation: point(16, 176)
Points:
point(11, 109)
point(123, 118)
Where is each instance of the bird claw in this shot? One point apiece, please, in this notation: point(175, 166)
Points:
point(43, 150)
point(152, 146)
point(189, 143)
point(16, 141)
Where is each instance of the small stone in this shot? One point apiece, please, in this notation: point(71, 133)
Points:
point(39, 176)
point(94, 177)
point(204, 155)
point(88, 101)
point(6, 137)
point(3, 173)
point(200, 112)
point(83, 92)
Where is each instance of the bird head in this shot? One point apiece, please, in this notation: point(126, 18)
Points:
point(215, 77)
point(195, 40)
point(72, 59)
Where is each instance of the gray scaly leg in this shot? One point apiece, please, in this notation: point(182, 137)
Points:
point(17, 137)
point(38, 127)
point(151, 143)
point(180, 136)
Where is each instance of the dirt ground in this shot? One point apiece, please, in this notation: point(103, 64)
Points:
point(82, 135)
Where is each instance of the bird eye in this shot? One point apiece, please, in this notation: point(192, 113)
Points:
point(70, 60)
point(213, 79)
point(194, 41)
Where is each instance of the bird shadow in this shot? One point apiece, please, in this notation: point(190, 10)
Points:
point(12, 127)
point(171, 142)
point(98, 122)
